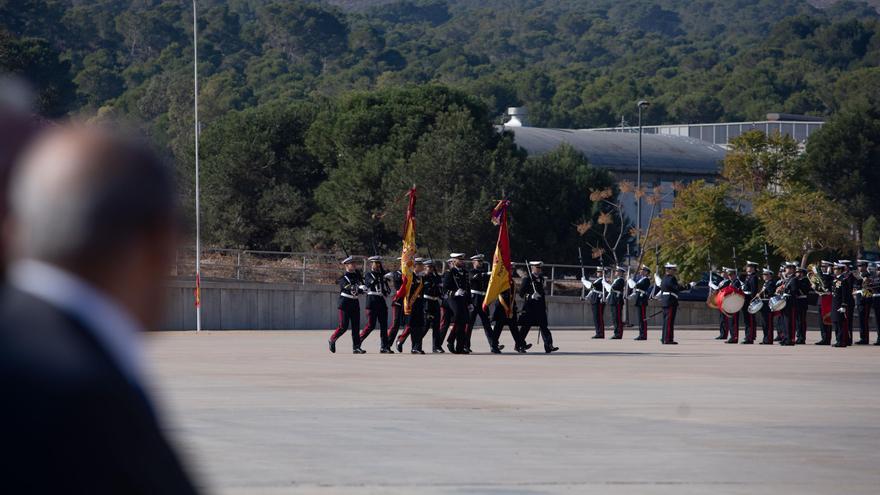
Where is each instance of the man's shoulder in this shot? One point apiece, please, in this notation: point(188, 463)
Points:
point(43, 346)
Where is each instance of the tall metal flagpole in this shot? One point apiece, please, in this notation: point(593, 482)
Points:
point(196, 112)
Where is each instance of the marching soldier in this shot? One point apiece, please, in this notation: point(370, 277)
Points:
point(827, 281)
point(615, 301)
point(669, 289)
point(875, 303)
point(499, 315)
point(351, 284)
point(642, 296)
point(839, 302)
point(767, 291)
point(396, 279)
point(789, 290)
point(456, 286)
point(722, 321)
point(596, 298)
point(850, 299)
point(415, 324)
point(535, 306)
point(802, 304)
point(432, 294)
point(779, 325)
point(861, 287)
point(479, 283)
point(731, 322)
point(750, 290)
point(377, 310)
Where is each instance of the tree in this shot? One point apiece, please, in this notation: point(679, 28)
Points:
point(801, 222)
point(550, 197)
point(841, 161)
point(38, 63)
point(757, 163)
point(258, 178)
point(701, 226)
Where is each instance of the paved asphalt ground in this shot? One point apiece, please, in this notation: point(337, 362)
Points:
point(276, 413)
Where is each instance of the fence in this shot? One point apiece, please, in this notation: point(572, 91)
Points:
point(323, 268)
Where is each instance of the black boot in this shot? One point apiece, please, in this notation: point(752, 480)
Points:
point(332, 346)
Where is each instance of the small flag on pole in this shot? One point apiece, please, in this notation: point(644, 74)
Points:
point(408, 253)
point(198, 290)
point(501, 278)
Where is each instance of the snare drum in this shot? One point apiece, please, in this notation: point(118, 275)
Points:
point(755, 305)
point(777, 303)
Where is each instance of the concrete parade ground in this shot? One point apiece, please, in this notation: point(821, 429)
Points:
point(275, 413)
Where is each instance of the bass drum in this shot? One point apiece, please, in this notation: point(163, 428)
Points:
point(777, 303)
point(730, 300)
point(755, 305)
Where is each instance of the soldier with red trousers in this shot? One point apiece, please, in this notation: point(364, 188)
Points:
point(351, 285)
point(669, 289)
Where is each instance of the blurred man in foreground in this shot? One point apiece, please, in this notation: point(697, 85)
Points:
point(93, 230)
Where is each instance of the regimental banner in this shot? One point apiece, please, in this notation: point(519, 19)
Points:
point(408, 253)
point(501, 279)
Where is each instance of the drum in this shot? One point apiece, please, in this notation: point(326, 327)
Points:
point(755, 305)
point(825, 308)
point(777, 303)
point(730, 300)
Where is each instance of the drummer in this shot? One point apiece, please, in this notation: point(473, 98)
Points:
point(767, 292)
point(730, 322)
point(827, 281)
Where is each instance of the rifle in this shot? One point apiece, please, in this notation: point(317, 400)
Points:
point(583, 274)
point(735, 265)
point(766, 256)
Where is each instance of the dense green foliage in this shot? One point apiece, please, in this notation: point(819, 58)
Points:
point(316, 117)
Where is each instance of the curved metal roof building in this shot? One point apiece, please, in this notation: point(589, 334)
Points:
point(666, 155)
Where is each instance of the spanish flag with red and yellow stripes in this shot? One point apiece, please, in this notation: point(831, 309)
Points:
point(408, 253)
point(501, 278)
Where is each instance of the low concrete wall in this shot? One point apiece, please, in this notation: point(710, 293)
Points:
point(233, 305)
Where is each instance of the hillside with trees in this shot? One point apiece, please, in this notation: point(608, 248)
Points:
point(306, 106)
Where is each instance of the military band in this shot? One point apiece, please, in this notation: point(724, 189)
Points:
point(450, 305)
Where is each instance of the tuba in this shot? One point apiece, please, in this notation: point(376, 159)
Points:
point(816, 280)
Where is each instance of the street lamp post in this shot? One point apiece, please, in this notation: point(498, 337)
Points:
point(641, 104)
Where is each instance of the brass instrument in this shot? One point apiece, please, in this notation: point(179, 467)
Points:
point(816, 280)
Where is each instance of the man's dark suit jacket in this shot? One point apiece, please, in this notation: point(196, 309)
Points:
point(70, 421)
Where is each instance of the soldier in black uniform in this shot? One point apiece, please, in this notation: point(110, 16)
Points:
point(839, 305)
point(596, 298)
point(479, 282)
point(641, 295)
point(535, 306)
point(669, 289)
point(790, 290)
point(875, 303)
point(750, 290)
point(415, 322)
point(397, 317)
point(377, 311)
point(827, 281)
point(731, 322)
point(351, 285)
point(456, 287)
point(861, 286)
point(615, 301)
point(802, 304)
point(432, 294)
point(767, 291)
point(499, 316)
point(779, 325)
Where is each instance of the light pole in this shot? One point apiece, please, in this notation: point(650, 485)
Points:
point(641, 104)
point(196, 119)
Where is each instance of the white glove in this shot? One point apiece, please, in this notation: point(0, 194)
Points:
point(363, 288)
point(536, 296)
point(693, 284)
point(841, 310)
point(587, 284)
point(459, 292)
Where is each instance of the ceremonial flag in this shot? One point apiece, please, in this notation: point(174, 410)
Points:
point(408, 253)
point(501, 278)
point(198, 291)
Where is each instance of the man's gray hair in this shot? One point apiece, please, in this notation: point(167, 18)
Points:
point(82, 192)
